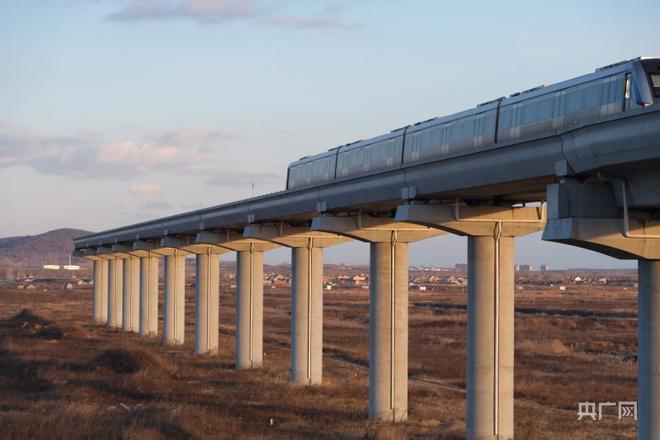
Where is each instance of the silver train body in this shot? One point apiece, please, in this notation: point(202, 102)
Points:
point(523, 116)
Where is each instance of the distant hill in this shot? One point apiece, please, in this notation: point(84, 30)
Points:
point(53, 247)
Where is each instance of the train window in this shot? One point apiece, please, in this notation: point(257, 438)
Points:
point(505, 117)
point(457, 132)
point(626, 96)
point(489, 125)
point(546, 109)
point(574, 101)
point(593, 96)
point(616, 89)
point(529, 113)
point(358, 161)
point(467, 128)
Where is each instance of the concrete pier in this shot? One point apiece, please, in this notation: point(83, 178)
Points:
point(101, 290)
point(149, 295)
point(175, 298)
point(648, 349)
point(115, 291)
point(490, 339)
point(388, 304)
point(131, 293)
point(249, 292)
point(388, 330)
point(307, 315)
point(249, 309)
point(207, 302)
point(306, 293)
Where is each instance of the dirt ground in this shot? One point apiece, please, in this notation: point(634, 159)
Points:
point(64, 377)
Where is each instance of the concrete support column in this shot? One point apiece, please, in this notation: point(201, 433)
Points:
point(648, 350)
point(490, 230)
point(388, 331)
point(149, 295)
point(115, 291)
point(131, 292)
point(306, 293)
point(101, 290)
point(249, 309)
point(175, 299)
point(207, 303)
point(490, 340)
point(307, 315)
point(388, 303)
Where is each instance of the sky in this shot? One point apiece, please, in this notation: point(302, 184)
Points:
point(119, 111)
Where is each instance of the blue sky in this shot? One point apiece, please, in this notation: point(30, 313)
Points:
point(113, 112)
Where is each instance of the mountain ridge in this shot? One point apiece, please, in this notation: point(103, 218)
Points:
point(51, 247)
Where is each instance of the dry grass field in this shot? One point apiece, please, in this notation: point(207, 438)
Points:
point(63, 377)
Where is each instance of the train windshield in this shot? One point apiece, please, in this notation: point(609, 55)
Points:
point(655, 79)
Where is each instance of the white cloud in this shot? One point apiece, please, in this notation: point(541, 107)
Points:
point(202, 11)
point(219, 11)
point(328, 18)
point(144, 187)
point(190, 152)
point(187, 150)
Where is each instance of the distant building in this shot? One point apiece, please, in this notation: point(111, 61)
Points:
point(71, 267)
point(461, 266)
point(545, 268)
point(51, 266)
point(360, 279)
point(524, 268)
point(456, 281)
point(277, 279)
point(434, 279)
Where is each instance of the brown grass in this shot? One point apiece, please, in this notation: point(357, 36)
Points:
point(63, 377)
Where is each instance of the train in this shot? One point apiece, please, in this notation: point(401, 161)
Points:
point(617, 88)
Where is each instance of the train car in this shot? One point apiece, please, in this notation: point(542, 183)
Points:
point(379, 153)
point(313, 170)
point(452, 134)
point(533, 113)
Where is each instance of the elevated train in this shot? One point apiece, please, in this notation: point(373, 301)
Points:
point(615, 89)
